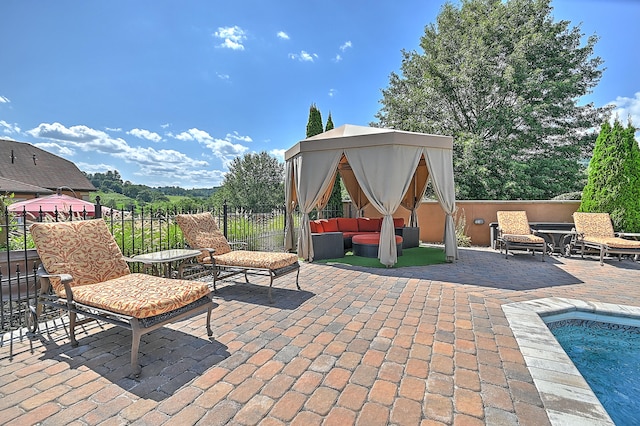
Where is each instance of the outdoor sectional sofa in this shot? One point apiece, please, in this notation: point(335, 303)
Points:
point(332, 237)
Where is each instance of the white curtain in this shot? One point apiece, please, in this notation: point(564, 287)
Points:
point(440, 165)
point(290, 204)
point(313, 173)
point(412, 199)
point(384, 174)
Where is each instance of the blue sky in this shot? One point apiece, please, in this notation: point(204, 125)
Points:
point(169, 92)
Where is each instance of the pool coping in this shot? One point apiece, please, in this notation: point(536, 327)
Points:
point(565, 395)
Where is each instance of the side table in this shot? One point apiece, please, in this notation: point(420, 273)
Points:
point(161, 262)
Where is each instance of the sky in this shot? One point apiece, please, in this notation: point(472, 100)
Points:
point(168, 93)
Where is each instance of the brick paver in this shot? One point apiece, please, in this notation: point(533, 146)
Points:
point(410, 346)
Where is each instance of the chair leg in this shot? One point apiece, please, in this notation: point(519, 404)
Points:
point(601, 256)
point(209, 331)
point(270, 285)
point(135, 347)
point(215, 278)
point(72, 328)
point(297, 276)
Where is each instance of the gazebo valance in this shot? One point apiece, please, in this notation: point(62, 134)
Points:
point(382, 167)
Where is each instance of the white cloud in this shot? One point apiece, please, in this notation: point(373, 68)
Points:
point(338, 58)
point(223, 76)
point(345, 46)
point(8, 128)
point(278, 153)
point(304, 56)
point(164, 126)
point(113, 129)
point(61, 150)
point(4, 100)
point(233, 37)
point(237, 137)
point(66, 141)
point(283, 35)
point(332, 92)
point(80, 137)
point(224, 149)
point(95, 168)
point(145, 134)
point(626, 108)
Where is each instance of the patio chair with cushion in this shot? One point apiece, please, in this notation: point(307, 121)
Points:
point(514, 233)
point(595, 232)
point(201, 232)
point(83, 272)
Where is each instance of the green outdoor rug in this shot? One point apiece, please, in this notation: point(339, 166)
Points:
point(417, 256)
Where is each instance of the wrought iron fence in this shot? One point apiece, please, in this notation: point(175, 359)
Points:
point(136, 232)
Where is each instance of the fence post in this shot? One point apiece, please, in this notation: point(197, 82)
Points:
point(224, 218)
point(97, 213)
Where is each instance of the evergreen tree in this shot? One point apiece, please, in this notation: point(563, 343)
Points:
point(334, 206)
point(314, 125)
point(329, 125)
point(505, 80)
point(613, 184)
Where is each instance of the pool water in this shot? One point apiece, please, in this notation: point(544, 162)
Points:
point(608, 357)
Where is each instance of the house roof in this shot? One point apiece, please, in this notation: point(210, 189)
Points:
point(10, 185)
point(26, 164)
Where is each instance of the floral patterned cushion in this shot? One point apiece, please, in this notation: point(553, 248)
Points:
point(140, 295)
point(513, 222)
point(85, 249)
point(201, 232)
point(614, 242)
point(256, 259)
point(593, 225)
point(520, 238)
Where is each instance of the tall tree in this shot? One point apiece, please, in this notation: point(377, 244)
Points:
point(314, 125)
point(505, 80)
point(329, 125)
point(614, 177)
point(334, 206)
point(255, 182)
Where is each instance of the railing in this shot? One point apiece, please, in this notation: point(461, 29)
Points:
point(136, 232)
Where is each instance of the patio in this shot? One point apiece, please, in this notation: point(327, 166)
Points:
point(419, 345)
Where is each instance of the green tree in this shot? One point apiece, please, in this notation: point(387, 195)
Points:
point(329, 125)
point(255, 182)
point(613, 185)
point(314, 125)
point(505, 80)
point(334, 206)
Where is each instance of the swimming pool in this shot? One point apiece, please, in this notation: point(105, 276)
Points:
point(608, 357)
point(566, 396)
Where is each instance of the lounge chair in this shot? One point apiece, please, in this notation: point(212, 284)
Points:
point(83, 272)
point(201, 232)
point(595, 232)
point(514, 233)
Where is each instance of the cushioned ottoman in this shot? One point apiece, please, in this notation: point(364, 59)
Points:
point(366, 245)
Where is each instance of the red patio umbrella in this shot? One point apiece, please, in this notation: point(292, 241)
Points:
point(49, 204)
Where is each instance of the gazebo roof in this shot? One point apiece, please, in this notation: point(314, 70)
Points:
point(350, 136)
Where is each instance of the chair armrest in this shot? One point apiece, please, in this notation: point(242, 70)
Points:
point(627, 234)
point(66, 280)
point(238, 243)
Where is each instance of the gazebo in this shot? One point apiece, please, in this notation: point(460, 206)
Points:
point(382, 167)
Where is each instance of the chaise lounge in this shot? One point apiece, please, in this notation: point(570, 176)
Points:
point(514, 233)
point(83, 272)
point(201, 232)
point(595, 232)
